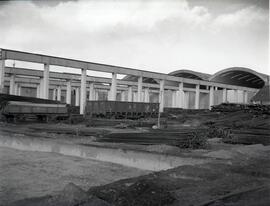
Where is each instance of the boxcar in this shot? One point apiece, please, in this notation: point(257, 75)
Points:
point(119, 109)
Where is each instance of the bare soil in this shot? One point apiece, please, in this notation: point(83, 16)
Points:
point(234, 175)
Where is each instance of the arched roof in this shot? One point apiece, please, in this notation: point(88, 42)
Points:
point(190, 74)
point(240, 76)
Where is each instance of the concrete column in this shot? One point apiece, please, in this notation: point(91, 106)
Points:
point(130, 94)
point(19, 90)
point(68, 92)
point(12, 85)
point(59, 93)
point(235, 96)
point(113, 90)
point(96, 95)
point(174, 104)
point(45, 92)
point(211, 97)
point(77, 96)
point(245, 97)
point(16, 89)
point(197, 97)
point(161, 95)
point(181, 97)
point(186, 103)
point(224, 95)
point(123, 96)
point(38, 91)
point(54, 94)
point(2, 75)
point(91, 91)
point(83, 91)
point(146, 95)
point(139, 96)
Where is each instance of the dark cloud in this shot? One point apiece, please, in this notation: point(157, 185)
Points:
point(51, 3)
point(217, 7)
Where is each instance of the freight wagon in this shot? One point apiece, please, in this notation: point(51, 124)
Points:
point(16, 110)
point(121, 110)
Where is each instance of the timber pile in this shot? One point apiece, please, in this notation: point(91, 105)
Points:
point(231, 107)
point(247, 124)
point(178, 138)
point(71, 131)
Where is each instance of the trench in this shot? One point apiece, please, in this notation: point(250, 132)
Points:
point(130, 158)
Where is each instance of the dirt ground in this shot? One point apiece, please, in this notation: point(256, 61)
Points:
point(234, 175)
point(26, 174)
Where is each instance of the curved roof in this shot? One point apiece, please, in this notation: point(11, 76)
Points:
point(190, 74)
point(240, 76)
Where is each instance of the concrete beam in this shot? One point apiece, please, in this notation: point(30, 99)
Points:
point(59, 61)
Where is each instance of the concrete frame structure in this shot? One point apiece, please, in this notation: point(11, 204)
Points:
point(43, 80)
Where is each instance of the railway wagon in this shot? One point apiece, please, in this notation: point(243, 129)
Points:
point(15, 110)
point(121, 110)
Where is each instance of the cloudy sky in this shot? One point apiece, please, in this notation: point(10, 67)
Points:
point(160, 35)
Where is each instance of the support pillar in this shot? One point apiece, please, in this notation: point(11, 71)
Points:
point(2, 75)
point(235, 96)
point(123, 96)
point(59, 93)
point(37, 91)
point(245, 97)
point(83, 91)
point(113, 90)
point(224, 95)
point(19, 90)
point(68, 92)
point(139, 96)
point(77, 96)
point(197, 97)
point(54, 94)
point(211, 97)
point(161, 95)
point(186, 103)
point(181, 97)
point(45, 92)
point(130, 93)
point(12, 85)
point(96, 95)
point(146, 95)
point(91, 92)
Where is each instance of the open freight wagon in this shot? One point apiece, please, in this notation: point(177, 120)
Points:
point(121, 110)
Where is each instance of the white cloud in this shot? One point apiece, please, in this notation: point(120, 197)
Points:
point(154, 35)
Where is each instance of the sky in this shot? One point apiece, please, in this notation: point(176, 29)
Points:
point(154, 35)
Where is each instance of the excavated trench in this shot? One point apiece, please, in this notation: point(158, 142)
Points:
point(131, 158)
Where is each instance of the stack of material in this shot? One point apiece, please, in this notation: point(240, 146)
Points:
point(248, 124)
point(249, 136)
point(231, 107)
point(155, 137)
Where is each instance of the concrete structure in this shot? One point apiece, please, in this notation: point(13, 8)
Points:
point(181, 88)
